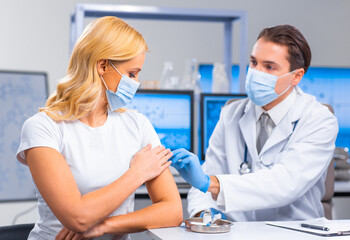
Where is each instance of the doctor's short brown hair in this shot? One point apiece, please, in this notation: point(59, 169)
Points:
point(298, 49)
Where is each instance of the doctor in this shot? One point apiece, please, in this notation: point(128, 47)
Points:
point(268, 155)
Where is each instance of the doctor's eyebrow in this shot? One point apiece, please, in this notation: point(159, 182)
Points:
point(252, 58)
point(271, 63)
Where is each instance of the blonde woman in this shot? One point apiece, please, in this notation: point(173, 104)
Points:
point(88, 155)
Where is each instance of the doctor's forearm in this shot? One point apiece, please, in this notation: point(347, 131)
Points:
point(214, 187)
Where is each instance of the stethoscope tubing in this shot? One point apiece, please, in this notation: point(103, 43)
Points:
point(244, 167)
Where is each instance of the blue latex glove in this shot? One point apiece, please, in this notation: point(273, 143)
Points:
point(213, 212)
point(187, 164)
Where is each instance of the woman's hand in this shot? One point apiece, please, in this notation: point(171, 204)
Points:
point(66, 234)
point(150, 163)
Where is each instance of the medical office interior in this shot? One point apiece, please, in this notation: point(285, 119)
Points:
point(182, 80)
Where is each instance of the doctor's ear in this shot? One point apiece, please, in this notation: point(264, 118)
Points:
point(102, 66)
point(298, 75)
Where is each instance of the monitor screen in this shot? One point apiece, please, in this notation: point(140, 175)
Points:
point(206, 72)
point(21, 94)
point(329, 85)
point(171, 114)
point(211, 105)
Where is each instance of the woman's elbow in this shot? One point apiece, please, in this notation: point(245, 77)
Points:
point(177, 215)
point(178, 219)
point(78, 222)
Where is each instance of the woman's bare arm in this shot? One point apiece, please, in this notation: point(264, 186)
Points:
point(79, 212)
point(166, 210)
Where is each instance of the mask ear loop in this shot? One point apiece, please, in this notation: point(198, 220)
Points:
point(288, 73)
point(285, 90)
point(114, 67)
point(289, 84)
point(104, 82)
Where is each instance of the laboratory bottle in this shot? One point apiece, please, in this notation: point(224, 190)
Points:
point(167, 76)
point(206, 217)
point(191, 78)
point(220, 83)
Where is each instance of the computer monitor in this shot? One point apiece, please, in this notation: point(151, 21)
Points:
point(206, 72)
point(21, 94)
point(211, 105)
point(171, 114)
point(332, 86)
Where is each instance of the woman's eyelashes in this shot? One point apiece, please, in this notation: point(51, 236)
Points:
point(132, 75)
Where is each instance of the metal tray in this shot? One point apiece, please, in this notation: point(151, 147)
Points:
point(219, 226)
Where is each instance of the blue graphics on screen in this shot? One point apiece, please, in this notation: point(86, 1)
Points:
point(170, 115)
point(206, 70)
point(211, 108)
point(328, 85)
point(21, 94)
point(332, 86)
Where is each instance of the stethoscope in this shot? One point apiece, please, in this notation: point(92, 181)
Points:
point(245, 167)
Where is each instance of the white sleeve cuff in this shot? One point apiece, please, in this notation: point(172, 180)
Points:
point(221, 198)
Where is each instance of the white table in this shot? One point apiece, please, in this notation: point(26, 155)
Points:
point(239, 230)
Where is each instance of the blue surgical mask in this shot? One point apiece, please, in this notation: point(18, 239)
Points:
point(260, 86)
point(125, 92)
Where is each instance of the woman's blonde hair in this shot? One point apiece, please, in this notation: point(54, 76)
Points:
point(105, 38)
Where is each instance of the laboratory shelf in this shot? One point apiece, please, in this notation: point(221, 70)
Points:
point(227, 17)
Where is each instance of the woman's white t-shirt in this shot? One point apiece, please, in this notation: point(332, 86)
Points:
point(96, 156)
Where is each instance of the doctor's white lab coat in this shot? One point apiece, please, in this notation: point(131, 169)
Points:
point(293, 186)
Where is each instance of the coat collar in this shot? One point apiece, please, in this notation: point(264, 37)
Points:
point(281, 132)
point(248, 128)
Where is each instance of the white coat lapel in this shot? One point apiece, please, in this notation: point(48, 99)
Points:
point(285, 128)
point(247, 126)
point(280, 133)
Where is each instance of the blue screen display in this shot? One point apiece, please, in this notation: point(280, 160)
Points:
point(211, 108)
point(21, 94)
point(206, 70)
point(328, 85)
point(170, 114)
point(332, 86)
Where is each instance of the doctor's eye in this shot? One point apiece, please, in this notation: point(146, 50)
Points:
point(253, 63)
point(270, 67)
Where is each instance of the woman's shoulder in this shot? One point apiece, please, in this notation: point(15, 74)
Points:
point(40, 120)
point(40, 117)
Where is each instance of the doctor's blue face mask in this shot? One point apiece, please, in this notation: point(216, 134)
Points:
point(126, 90)
point(260, 86)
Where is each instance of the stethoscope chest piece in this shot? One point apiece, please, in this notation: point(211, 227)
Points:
point(244, 168)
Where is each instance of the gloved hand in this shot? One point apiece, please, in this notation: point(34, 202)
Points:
point(213, 212)
point(187, 164)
